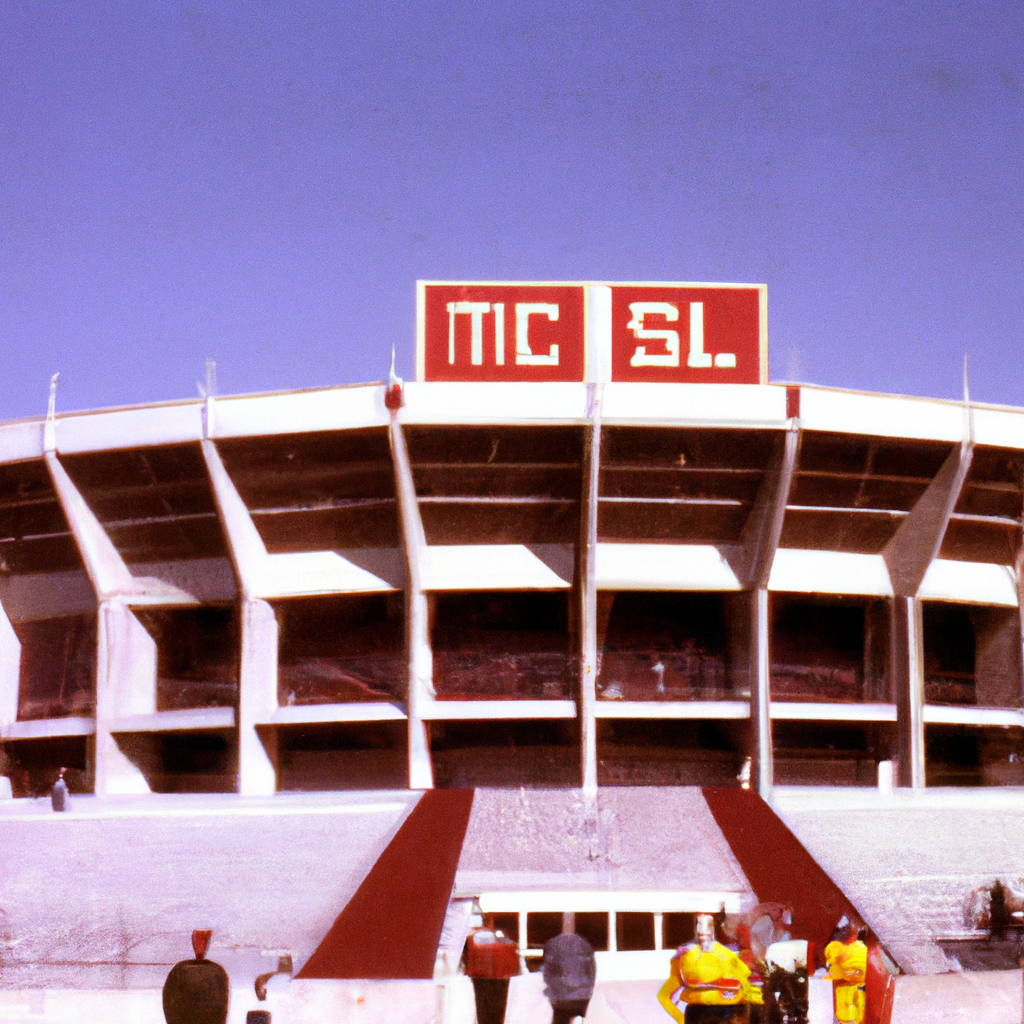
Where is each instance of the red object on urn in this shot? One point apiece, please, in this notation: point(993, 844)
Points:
point(196, 991)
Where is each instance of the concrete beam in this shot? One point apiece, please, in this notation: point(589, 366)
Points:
point(10, 670)
point(109, 575)
point(916, 543)
point(674, 709)
point(497, 710)
point(586, 576)
point(125, 686)
point(48, 728)
point(183, 720)
point(752, 558)
point(246, 549)
point(419, 653)
point(308, 714)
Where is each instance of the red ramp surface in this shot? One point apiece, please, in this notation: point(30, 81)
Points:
point(781, 870)
point(392, 925)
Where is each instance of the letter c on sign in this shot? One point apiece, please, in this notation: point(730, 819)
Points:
point(524, 354)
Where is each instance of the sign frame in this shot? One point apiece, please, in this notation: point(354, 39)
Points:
point(597, 318)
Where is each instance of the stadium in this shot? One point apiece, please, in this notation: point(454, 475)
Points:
point(567, 595)
point(358, 601)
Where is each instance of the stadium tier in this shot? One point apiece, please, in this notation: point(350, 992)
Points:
point(490, 584)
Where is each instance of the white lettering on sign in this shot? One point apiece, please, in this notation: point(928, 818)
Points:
point(499, 333)
point(671, 338)
point(698, 359)
point(476, 311)
point(524, 354)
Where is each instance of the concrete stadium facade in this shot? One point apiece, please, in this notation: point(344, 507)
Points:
point(540, 585)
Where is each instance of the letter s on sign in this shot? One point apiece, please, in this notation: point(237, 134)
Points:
point(671, 338)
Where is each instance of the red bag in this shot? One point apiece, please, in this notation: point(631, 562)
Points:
point(491, 956)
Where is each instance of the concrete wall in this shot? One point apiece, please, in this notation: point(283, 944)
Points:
point(302, 1002)
point(993, 997)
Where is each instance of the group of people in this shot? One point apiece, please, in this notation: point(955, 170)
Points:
point(569, 968)
point(757, 975)
point(761, 977)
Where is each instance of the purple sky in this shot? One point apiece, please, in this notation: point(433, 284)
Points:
point(262, 183)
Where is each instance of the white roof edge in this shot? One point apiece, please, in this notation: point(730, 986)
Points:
point(803, 385)
point(352, 406)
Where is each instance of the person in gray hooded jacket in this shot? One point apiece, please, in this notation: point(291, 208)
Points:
point(569, 972)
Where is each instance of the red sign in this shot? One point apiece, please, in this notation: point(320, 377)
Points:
point(704, 335)
point(712, 334)
point(501, 332)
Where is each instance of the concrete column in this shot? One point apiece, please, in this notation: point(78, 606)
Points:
point(257, 675)
point(762, 768)
point(125, 652)
point(1019, 568)
point(419, 653)
point(125, 685)
point(907, 666)
point(10, 670)
point(246, 549)
point(587, 595)
point(752, 561)
point(1020, 625)
point(257, 699)
point(907, 557)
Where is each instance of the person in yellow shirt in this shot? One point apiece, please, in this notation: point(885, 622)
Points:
point(847, 959)
point(707, 981)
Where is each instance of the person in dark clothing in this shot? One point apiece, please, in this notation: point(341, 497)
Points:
point(569, 972)
point(59, 793)
point(999, 914)
point(491, 959)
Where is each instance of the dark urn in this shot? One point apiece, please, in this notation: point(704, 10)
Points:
point(196, 991)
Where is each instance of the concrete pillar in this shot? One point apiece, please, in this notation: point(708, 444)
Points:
point(762, 768)
point(752, 561)
point(125, 652)
point(419, 653)
point(257, 699)
point(907, 666)
point(125, 685)
point(1019, 568)
point(10, 670)
point(257, 674)
point(907, 557)
point(587, 595)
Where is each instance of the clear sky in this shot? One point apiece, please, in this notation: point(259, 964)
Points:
point(262, 183)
